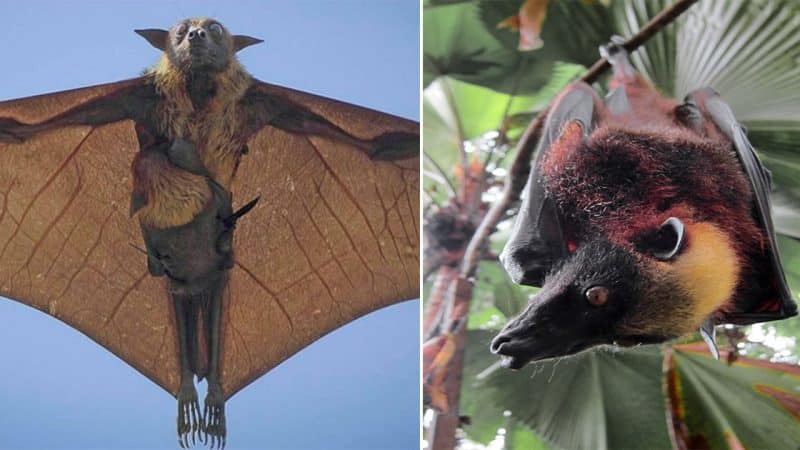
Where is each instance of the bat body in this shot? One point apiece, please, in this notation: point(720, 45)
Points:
point(194, 117)
point(645, 219)
point(187, 227)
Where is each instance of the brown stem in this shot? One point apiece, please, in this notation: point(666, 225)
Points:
point(518, 174)
point(442, 433)
point(433, 311)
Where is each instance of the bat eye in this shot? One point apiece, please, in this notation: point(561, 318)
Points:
point(597, 295)
point(181, 31)
point(216, 29)
point(668, 241)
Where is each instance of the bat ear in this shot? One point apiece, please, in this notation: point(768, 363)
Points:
point(156, 38)
point(241, 41)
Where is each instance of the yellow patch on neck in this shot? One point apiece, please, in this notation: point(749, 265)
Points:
point(708, 270)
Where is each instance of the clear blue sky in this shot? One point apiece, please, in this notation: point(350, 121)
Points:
point(358, 387)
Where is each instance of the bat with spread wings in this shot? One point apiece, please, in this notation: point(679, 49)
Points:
point(118, 217)
point(644, 219)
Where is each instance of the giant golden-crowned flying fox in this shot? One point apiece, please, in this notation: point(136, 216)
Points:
point(643, 219)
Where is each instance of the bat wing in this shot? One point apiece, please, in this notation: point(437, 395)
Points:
point(779, 304)
point(537, 238)
point(334, 236)
point(65, 233)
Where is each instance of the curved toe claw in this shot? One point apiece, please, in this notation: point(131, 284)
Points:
point(213, 421)
point(214, 426)
point(188, 416)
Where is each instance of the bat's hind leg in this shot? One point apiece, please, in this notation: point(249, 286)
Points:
point(213, 422)
point(189, 418)
point(625, 81)
point(617, 56)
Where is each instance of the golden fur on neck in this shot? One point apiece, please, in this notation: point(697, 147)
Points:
point(214, 129)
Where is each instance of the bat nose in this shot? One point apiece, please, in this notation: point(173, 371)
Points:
point(196, 33)
point(498, 341)
point(514, 352)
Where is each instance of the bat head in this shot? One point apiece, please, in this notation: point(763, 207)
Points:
point(198, 44)
point(662, 283)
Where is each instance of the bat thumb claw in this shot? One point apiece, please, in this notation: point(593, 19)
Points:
point(230, 221)
point(708, 333)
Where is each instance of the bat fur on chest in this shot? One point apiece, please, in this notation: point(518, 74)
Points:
point(206, 113)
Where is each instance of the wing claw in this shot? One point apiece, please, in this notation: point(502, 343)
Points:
point(708, 332)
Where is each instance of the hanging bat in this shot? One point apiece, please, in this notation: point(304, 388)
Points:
point(643, 220)
point(117, 216)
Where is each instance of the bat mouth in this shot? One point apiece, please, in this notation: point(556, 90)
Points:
point(514, 362)
point(515, 356)
point(199, 52)
point(515, 353)
point(202, 57)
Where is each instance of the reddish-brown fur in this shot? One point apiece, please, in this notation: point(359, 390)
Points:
point(637, 169)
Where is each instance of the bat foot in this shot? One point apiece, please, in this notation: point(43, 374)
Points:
point(189, 419)
point(213, 424)
point(617, 56)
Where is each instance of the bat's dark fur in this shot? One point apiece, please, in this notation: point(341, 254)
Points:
point(621, 183)
point(658, 220)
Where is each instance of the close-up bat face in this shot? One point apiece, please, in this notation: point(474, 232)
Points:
point(198, 45)
point(648, 225)
point(592, 298)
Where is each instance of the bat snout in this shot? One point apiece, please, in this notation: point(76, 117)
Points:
point(519, 344)
point(196, 34)
point(575, 309)
point(512, 348)
point(529, 337)
point(502, 343)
